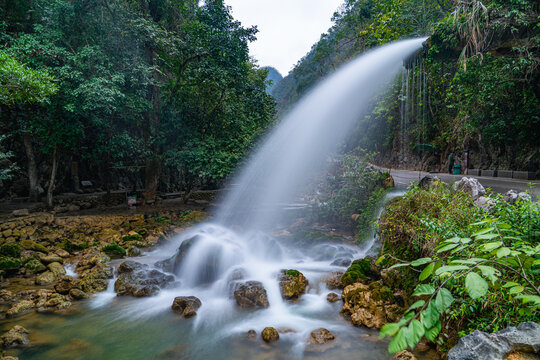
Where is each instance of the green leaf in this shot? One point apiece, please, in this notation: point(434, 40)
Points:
point(431, 334)
point(510, 284)
point(529, 298)
point(424, 289)
point(447, 247)
point(443, 300)
point(476, 286)
point(491, 246)
point(502, 252)
point(398, 343)
point(398, 265)
point(487, 236)
point(415, 332)
point(430, 315)
point(455, 239)
point(421, 261)
point(471, 261)
point(426, 272)
point(450, 268)
point(379, 260)
point(389, 330)
point(516, 290)
point(489, 272)
point(483, 231)
point(417, 305)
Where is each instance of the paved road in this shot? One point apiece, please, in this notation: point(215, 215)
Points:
point(403, 178)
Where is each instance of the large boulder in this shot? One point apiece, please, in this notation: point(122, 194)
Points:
point(478, 345)
point(186, 306)
point(20, 307)
point(251, 294)
point(370, 305)
point(428, 181)
point(174, 263)
point(292, 284)
point(139, 280)
point(65, 284)
point(471, 186)
point(362, 270)
point(17, 336)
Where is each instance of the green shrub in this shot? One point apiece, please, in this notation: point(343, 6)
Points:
point(135, 237)
point(72, 247)
point(359, 271)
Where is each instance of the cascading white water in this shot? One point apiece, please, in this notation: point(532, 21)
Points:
point(236, 244)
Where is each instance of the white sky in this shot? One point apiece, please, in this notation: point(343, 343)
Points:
point(287, 28)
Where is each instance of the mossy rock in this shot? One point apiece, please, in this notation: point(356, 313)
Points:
point(114, 251)
point(10, 250)
point(32, 245)
point(34, 266)
point(292, 284)
point(9, 263)
point(135, 237)
point(360, 271)
point(142, 231)
point(72, 247)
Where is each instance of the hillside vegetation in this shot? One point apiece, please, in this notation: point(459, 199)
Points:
point(481, 72)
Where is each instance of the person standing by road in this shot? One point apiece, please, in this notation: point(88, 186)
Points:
point(451, 161)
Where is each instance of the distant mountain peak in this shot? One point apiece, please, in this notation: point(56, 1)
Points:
point(274, 76)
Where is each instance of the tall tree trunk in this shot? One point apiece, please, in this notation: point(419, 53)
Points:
point(50, 189)
point(153, 164)
point(33, 189)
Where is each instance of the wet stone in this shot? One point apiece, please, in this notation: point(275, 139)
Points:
point(269, 334)
point(186, 306)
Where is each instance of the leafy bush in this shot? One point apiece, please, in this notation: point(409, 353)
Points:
point(480, 270)
point(114, 251)
point(9, 263)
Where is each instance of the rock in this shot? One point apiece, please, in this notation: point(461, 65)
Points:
point(427, 182)
point(251, 294)
point(34, 266)
point(78, 294)
point(332, 297)
point(9, 358)
point(388, 182)
point(511, 196)
point(183, 250)
point(53, 258)
point(45, 278)
point(186, 306)
point(54, 302)
point(522, 356)
point(20, 307)
point(321, 336)
point(96, 278)
point(370, 305)
point(333, 280)
point(269, 334)
point(20, 212)
point(471, 186)
point(62, 253)
point(404, 355)
point(57, 269)
point(292, 284)
point(484, 202)
point(17, 336)
point(341, 262)
point(139, 280)
point(251, 335)
point(73, 208)
point(65, 284)
point(32, 245)
point(497, 346)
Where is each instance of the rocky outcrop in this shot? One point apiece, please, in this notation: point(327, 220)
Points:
point(478, 345)
point(269, 334)
point(292, 284)
point(471, 186)
point(186, 306)
point(370, 305)
point(96, 279)
point(16, 336)
point(20, 307)
point(362, 270)
point(512, 196)
point(139, 280)
point(251, 294)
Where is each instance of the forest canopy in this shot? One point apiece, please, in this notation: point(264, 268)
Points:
point(153, 94)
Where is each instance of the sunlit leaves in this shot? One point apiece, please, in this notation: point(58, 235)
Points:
point(476, 286)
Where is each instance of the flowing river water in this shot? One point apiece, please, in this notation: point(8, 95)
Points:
point(238, 241)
